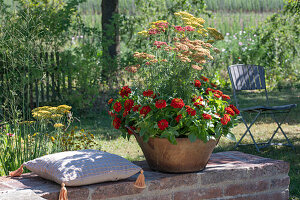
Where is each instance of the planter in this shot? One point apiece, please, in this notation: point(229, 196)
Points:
point(186, 156)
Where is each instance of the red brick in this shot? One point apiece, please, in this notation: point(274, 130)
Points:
point(114, 189)
point(246, 188)
point(159, 197)
point(265, 196)
point(220, 175)
point(173, 181)
point(283, 182)
point(201, 193)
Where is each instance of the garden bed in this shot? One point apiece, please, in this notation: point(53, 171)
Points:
point(228, 175)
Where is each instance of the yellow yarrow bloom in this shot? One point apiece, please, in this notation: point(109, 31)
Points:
point(65, 107)
point(52, 138)
point(143, 33)
point(58, 125)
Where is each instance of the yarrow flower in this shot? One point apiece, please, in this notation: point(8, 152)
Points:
point(158, 44)
point(125, 91)
point(163, 124)
point(177, 103)
point(160, 104)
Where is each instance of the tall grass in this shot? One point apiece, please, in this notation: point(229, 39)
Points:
point(128, 7)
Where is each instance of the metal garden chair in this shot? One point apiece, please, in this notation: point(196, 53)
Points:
point(250, 78)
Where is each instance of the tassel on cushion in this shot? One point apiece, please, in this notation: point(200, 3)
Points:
point(140, 181)
point(17, 172)
point(63, 194)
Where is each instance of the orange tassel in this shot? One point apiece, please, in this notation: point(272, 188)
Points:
point(63, 195)
point(140, 181)
point(17, 172)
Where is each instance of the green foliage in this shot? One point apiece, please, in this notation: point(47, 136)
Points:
point(48, 133)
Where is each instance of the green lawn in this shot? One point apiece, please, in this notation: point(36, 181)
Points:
point(109, 139)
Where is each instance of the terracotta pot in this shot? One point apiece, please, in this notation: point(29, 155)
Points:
point(186, 156)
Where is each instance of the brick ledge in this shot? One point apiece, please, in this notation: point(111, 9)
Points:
point(228, 175)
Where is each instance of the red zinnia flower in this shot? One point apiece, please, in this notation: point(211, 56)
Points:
point(225, 119)
point(125, 91)
point(110, 101)
point(129, 131)
point(197, 83)
point(229, 111)
point(160, 104)
point(198, 104)
point(125, 113)
point(145, 110)
point(195, 98)
point(136, 108)
point(177, 103)
point(178, 118)
point(112, 114)
point(118, 107)
point(206, 116)
point(225, 97)
point(191, 111)
point(205, 79)
point(148, 93)
point(163, 124)
point(234, 109)
point(219, 92)
point(213, 85)
point(128, 104)
point(209, 89)
point(217, 95)
point(117, 123)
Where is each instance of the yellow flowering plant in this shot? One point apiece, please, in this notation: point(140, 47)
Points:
point(172, 98)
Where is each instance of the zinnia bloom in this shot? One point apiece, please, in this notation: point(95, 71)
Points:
point(118, 106)
point(129, 131)
point(225, 119)
point(213, 85)
point(163, 124)
point(197, 83)
point(117, 123)
point(177, 103)
point(217, 95)
point(234, 109)
point(128, 104)
point(229, 111)
point(110, 101)
point(125, 91)
point(112, 114)
point(198, 104)
point(136, 108)
point(148, 93)
point(145, 110)
point(205, 79)
point(178, 118)
point(190, 111)
point(160, 104)
point(209, 89)
point(206, 116)
point(225, 97)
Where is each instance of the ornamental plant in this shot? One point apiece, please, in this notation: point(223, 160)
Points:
point(170, 97)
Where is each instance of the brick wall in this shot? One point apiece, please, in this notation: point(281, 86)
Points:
point(228, 175)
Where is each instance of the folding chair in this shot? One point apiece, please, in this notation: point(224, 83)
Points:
point(252, 77)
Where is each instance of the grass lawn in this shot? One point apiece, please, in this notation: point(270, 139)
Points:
point(110, 140)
